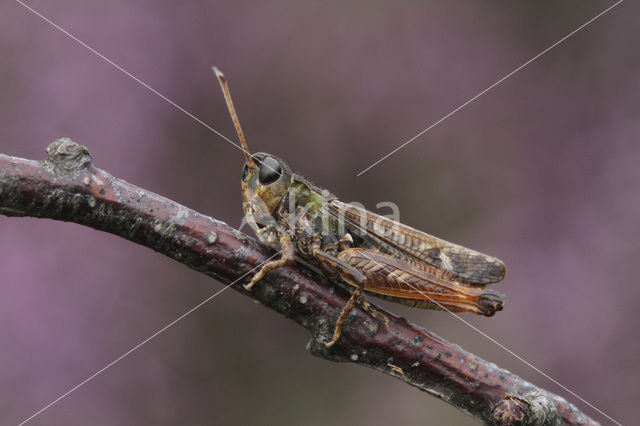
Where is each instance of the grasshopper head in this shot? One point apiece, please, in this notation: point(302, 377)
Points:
point(265, 180)
point(265, 184)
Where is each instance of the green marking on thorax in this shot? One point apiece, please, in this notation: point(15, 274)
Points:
point(306, 197)
point(313, 201)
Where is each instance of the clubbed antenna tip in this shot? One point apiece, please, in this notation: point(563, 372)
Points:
point(218, 73)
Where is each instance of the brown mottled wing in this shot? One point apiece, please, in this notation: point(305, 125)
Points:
point(467, 265)
point(400, 282)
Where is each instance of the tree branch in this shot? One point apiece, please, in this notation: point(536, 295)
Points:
point(67, 187)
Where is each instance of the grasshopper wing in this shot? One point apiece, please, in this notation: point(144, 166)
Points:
point(405, 242)
point(393, 279)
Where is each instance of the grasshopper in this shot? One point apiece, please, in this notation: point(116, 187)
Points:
point(372, 253)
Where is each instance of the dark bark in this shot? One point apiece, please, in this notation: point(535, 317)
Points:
point(67, 187)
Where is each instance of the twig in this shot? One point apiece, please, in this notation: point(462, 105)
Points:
point(67, 187)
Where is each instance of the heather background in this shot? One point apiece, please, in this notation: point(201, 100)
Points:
point(543, 172)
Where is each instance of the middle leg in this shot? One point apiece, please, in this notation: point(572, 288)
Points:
point(351, 275)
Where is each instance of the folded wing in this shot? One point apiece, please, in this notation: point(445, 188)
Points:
point(466, 265)
point(402, 283)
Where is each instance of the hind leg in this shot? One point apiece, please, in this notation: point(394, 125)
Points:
point(351, 275)
point(368, 307)
point(355, 296)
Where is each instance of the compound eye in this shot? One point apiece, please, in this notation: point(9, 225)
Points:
point(270, 171)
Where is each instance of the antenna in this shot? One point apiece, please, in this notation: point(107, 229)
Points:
point(234, 116)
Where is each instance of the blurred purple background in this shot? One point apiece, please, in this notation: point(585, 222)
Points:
point(542, 172)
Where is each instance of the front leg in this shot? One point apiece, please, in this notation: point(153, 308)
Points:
point(286, 258)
